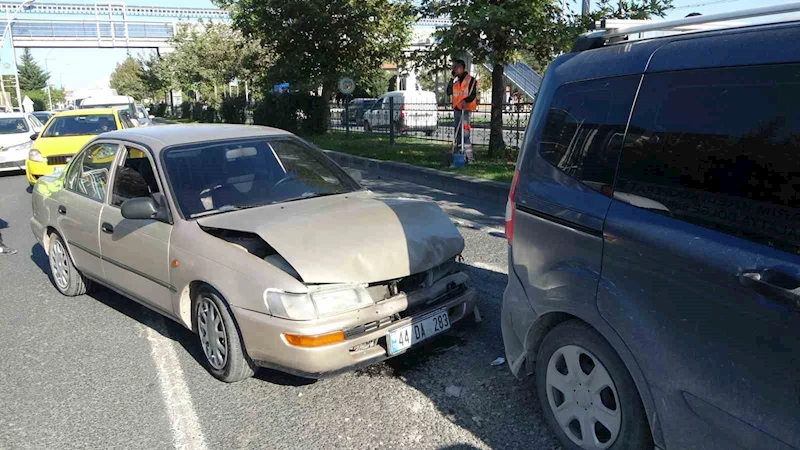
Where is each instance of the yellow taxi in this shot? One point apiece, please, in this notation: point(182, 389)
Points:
point(65, 134)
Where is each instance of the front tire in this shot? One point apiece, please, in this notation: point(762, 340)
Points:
point(219, 339)
point(66, 278)
point(586, 392)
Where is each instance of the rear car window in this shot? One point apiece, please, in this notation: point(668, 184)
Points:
point(719, 148)
point(585, 127)
point(80, 125)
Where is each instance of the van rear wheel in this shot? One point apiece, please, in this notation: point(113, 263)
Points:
point(587, 394)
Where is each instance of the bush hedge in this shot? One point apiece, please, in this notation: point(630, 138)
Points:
point(295, 112)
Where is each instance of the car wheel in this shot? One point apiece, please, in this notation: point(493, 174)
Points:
point(219, 339)
point(66, 278)
point(587, 394)
point(367, 128)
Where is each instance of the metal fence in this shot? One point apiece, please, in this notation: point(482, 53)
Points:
point(428, 121)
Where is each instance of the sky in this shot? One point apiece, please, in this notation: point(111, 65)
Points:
point(89, 68)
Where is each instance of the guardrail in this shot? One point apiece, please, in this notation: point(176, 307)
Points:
point(428, 121)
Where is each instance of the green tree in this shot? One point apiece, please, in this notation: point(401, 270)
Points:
point(314, 43)
point(631, 9)
point(58, 95)
point(31, 75)
point(498, 31)
point(127, 79)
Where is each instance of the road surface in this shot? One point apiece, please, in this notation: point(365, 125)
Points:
point(100, 371)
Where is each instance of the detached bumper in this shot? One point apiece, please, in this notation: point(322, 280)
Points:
point(267, 347)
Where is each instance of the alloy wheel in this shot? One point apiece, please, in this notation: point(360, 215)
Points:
point(59, 265)
point(211, 330)
point(583, 398)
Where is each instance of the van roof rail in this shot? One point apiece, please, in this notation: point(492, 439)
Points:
point(600, 38)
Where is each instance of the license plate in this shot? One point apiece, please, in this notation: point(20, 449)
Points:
point(57, 170)
point(402, 338)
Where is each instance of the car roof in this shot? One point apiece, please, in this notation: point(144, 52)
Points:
point(754, 44)
point(12, 115)
point(86, 112)
point(162, 136)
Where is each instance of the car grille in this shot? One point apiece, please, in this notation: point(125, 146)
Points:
point(367, 327)
point(58, 160)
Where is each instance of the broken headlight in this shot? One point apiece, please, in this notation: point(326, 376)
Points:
point(319, 302)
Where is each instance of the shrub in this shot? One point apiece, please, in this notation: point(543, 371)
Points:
point(159, 110)
point(233, 109)
point(294, 112)
point(186, 110)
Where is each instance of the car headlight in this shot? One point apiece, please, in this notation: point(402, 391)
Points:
point(319, 302)
point(34, 155)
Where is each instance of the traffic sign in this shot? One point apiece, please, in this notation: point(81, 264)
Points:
point(347, 86)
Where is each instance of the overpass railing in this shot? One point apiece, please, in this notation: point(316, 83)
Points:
point(92, 29)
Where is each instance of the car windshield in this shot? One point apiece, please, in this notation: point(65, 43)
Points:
point(209, 178)
point(13, 125)
point(80, 125)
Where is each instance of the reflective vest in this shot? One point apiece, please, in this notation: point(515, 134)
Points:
point(461, 92)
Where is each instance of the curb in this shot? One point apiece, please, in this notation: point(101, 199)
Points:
point(492, 191)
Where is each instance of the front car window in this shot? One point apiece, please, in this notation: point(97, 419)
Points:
point(88, 174)
point(135, 177)
point(13, 125)
point(80, 125)
point(215, 177)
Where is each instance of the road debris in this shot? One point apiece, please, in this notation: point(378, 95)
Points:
point(453, 391)
point(499, 361)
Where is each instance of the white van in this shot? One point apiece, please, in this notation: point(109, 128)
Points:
point(413, 111)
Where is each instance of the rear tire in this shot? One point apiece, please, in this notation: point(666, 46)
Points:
point(219, 338)
point(574, 357)
point(65, 277)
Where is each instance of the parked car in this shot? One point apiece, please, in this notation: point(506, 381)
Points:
point(43, 116)
point(218, 228)
point(357, 107)
point(654, 246)
point(17, 131)
point(65, 134)
point(143, 116)
point(413, 111)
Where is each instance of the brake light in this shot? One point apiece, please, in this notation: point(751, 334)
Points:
point(403, 111)
point(511, 207)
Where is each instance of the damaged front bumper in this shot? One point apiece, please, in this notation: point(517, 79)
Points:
point(365, 331)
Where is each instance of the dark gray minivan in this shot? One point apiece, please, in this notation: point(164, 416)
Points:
point(654, 243)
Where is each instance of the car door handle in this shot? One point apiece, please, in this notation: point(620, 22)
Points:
point(774, 284)
point(107, 228)
point(62, 209)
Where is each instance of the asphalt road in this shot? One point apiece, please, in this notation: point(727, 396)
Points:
point(100, 371)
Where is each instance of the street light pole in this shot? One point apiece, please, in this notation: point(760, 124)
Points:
point(49, 97)
point(14, 50)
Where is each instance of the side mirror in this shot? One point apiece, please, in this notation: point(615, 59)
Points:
point(354, 174)
point(34, 136)
point(142, 208)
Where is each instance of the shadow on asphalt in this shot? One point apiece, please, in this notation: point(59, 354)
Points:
point(171, 330)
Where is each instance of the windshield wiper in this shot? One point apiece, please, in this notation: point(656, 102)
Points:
point(308, 195)
point(221, 209)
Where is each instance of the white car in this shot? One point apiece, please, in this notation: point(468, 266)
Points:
point(413, 111)
point(17, 132)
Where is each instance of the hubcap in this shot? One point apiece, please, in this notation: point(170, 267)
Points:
point(59, 265)
point(583, 398)
point(212, 333)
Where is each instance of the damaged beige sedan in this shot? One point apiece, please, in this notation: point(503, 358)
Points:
point(271, 253)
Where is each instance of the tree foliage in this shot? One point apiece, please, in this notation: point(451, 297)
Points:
point(631, 9)
point(315, 42)
point(127, 79)
point(31, 76)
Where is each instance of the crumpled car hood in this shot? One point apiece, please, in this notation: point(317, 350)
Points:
point(351, 238)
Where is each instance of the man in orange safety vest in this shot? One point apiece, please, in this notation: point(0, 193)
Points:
point(463, 89)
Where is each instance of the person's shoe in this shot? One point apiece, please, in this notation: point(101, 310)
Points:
point(7, 250)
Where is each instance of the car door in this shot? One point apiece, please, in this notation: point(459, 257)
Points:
point(701, 264)
point(136, 252)
point(79, 205)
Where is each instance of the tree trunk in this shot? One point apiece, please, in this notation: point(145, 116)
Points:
point(496, 144)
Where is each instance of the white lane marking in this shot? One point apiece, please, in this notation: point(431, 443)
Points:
point(186, 432)
point(485, 266)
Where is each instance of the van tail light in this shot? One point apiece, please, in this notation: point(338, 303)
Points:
point(511, 207)
point(403, 111)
